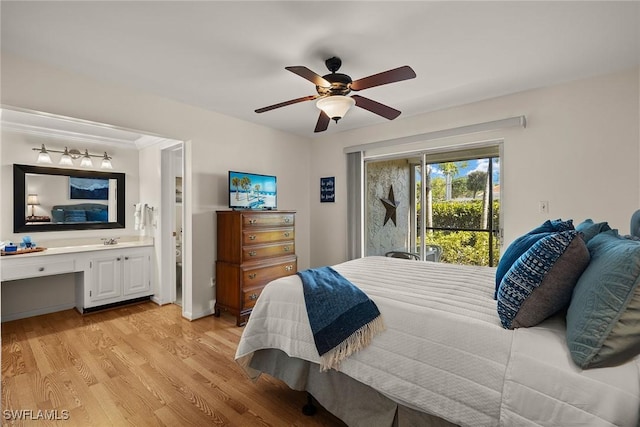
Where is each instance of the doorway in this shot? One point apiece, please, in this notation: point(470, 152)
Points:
point(173, 201)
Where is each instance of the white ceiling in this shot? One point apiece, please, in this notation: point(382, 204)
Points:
point(229, 57)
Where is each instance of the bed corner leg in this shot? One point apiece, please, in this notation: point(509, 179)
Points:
point(309, 409)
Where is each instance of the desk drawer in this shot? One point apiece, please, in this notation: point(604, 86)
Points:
point(25, 270)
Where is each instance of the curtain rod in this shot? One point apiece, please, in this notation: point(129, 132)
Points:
point(518, 121)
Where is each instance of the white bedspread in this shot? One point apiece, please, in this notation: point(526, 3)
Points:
point(445, 353)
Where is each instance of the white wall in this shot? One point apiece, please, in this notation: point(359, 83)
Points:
point(17, 148)
point(217, 143)
point(580, 151)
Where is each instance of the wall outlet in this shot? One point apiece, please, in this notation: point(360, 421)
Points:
point(543, 207)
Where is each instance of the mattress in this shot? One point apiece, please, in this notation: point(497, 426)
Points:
point(445, 353)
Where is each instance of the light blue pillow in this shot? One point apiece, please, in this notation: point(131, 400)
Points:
point(523, 243)
point(540, 283)
point(603, 319)
point(589, 229)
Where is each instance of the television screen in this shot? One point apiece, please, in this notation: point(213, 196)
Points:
point(252, 191)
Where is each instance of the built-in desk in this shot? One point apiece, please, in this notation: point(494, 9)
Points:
point(108, 274)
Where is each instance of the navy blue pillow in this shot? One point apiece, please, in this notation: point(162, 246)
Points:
point(98, 215)
point(75, 216)
point(523, 243)
point(540, 283)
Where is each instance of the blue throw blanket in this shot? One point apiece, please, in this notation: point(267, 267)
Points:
point(342, 318)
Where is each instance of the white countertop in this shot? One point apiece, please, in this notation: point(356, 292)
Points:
point(69, 246)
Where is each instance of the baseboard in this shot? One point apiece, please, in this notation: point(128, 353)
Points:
point(37, 312)
point(191, 316)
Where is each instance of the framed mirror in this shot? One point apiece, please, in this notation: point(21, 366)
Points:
point(55, 199)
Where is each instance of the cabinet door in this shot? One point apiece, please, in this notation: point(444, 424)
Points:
point(136, 272)
point(107, 278)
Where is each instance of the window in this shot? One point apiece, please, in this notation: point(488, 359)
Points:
point(458, 222)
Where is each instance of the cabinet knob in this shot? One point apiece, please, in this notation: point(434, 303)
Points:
point(253, 297)
point(252, 237)
point(287, 219)
point(252, 275)
point(288, 267)
point(286, 249)
point(118, 259)
point(286, 234)
point(253, 253)
point(126, 258)
point(41, 269)
point(252, 221)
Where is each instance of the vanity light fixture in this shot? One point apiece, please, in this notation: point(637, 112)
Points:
point(106, 162)
point(69, 155)
point(86, 160)
point(43, 155)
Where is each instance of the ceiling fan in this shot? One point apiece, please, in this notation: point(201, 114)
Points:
point(333, 89)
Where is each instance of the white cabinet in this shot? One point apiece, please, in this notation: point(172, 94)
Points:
point(117, 275)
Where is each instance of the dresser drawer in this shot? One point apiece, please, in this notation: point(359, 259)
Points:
point(262, 275)
point(250, 296)
point(276, 219)
point(41, 267)
point(251, 253)
point(252, 237)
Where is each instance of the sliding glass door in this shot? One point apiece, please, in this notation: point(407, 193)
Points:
point(440, 206)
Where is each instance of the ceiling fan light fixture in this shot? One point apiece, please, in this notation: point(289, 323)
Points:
point(335, 106)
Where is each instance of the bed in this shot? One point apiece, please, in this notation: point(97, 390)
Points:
point(80, 212)
point(444, 359)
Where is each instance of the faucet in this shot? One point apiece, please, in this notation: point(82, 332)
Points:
point(110, 241)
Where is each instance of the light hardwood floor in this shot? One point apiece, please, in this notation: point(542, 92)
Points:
point(141, 365)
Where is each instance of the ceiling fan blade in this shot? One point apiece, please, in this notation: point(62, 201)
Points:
point(323, 122)
point(306, 73)
point(284, 104)
point(375, 107)
point(391, 76)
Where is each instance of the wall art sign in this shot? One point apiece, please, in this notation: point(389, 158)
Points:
point(328, 189)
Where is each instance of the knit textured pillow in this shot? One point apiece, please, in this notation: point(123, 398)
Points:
point(603, 320)
point(541, 281)
point(523, 243)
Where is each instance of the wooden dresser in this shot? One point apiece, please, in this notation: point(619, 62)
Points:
point(254, 248)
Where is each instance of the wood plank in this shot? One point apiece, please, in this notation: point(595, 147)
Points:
point(141, 365)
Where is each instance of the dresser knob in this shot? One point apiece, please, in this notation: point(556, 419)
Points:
point(253, 297)
point(253, 253)
point(288, 267)
point(252, 221)
point(287, 219)
point(41, 269)
point(286, 249)
point(252, 237)
point(252, 275)
point(286, 234)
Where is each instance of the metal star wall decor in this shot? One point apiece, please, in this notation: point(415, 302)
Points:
point(390, 206)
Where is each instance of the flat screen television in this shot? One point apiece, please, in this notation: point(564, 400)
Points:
point(252, 191)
